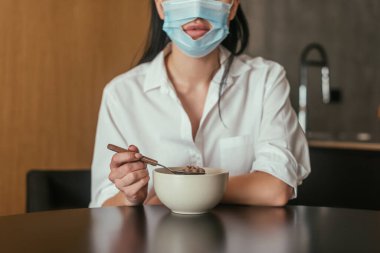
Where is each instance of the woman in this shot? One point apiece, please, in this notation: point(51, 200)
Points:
point(195, 100)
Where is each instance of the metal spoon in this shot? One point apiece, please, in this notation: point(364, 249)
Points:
point(153, 162)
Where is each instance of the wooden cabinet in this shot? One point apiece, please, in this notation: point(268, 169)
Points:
point(342, 178)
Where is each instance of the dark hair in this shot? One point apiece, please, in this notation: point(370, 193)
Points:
point(236, 42)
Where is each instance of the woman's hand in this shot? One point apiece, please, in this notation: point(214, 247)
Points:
point(130, 176)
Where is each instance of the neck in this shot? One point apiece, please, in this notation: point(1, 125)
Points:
point(187, 73)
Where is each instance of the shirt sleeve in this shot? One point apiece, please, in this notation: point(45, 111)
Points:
point(281, 148)
point(108, 131)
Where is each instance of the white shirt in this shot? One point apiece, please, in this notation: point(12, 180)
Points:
point(260, 130)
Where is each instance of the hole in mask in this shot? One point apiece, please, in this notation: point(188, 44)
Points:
point(197, 28)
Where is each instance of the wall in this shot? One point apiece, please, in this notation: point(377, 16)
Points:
point(349, 30)
point(55, 59)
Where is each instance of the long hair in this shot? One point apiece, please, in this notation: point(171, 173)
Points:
point(236, 42)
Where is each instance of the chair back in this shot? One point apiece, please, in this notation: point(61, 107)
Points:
point(54, 190)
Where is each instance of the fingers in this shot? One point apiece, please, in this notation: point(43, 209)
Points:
point(125, 169)
point(119, 159)
point(139, 196)
point(136, 192)
point(131, 178)
point(133, 148)
point(130, 175)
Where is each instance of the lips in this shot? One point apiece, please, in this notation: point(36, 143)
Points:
point(196, 31)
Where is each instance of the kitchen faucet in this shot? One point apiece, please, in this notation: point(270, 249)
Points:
point(322, 63)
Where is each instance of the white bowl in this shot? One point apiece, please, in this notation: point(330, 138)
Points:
point(190, 194)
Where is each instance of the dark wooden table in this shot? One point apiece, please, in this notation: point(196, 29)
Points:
point(226, 229)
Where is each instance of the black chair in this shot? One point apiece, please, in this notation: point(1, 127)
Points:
point(54, 190)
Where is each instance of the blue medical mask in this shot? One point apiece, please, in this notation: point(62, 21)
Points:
point(180, 12)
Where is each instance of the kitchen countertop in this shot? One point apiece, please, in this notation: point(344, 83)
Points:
point(337, 144)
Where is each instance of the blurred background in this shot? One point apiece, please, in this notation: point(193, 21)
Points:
point(56, 57)
point(348, 30)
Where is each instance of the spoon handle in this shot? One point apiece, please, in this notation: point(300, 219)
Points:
point(144, 159)
point(116, 149)
point(149, 161)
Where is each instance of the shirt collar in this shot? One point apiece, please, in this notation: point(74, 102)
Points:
point(157, 76)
